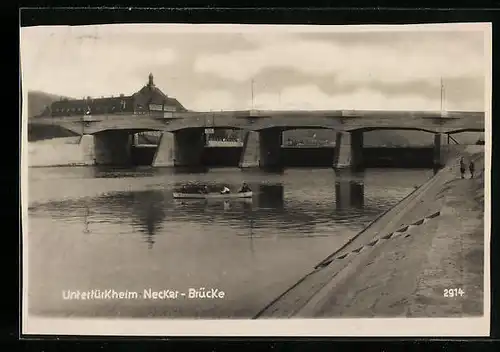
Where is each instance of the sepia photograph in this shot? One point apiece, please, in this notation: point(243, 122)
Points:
point(256, 180)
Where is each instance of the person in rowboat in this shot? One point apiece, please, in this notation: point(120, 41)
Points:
point(225, 190)
point(244, 188)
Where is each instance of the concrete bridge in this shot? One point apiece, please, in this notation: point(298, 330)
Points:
point(106, 138)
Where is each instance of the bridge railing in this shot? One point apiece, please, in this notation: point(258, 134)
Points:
point(308, 143)
point(213, 143)
point(104, 115)
point(450, 138)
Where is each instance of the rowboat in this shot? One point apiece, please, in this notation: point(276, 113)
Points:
point(212, 195)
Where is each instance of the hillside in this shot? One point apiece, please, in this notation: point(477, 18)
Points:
point(37, 101)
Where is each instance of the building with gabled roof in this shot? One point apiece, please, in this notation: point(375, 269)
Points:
point(148, 98)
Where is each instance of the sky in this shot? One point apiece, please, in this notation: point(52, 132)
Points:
point(242, 67)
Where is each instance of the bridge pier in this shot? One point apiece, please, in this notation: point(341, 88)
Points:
point(349, 194)
point(262, 149)
point(250, 154)
point(164, 155)
point(87, 149)
point(440, 149)
point(348, 150)
point(113, 147)
point(180, 148)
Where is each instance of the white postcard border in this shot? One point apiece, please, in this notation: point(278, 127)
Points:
point(288, 327)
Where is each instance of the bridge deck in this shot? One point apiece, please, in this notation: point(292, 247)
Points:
point(341, 120)
point(333, 113)
point(282, 113)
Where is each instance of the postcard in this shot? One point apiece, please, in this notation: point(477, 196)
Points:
point(256, 180)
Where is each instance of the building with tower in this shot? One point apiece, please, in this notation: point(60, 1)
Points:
point(149, 98)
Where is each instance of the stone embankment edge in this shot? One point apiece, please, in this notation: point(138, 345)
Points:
point(395, 210)
point(324, 263)
point(324, 292)
point(382, 222)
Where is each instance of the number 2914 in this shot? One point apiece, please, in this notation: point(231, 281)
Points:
point(453, 292)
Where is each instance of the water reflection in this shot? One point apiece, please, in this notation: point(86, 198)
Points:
point(149, 211)
point(271, 207)
point(254, 249)
point(145, 212)
point(86, 219)
point(349, 194)
point(271, 197)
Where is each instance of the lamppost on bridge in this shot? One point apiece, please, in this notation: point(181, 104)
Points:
point(443, 111)
point(442, 93)
point(253, 93)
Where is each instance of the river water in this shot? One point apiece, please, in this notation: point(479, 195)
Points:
point(96, 229)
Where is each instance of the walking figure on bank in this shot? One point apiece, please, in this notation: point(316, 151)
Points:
point(462, 167)
point(471, 169)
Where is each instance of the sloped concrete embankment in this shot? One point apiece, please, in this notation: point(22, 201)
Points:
point(401, 264)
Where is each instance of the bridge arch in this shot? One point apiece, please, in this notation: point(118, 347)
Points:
point(121, 129)
point(290, 125)
point(264, 149)
point(383, 128)
point(328, 135)
point(183, 129)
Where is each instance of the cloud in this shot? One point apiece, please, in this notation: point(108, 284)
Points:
point(79, 63)
point(214, 100)
point(310, 97)
point(211, 69)
point(400, 61)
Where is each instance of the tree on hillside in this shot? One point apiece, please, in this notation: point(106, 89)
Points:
point(38, 102)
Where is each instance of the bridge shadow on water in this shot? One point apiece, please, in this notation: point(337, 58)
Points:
point(106, 171)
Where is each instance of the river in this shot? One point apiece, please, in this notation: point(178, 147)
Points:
point(94, 229)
